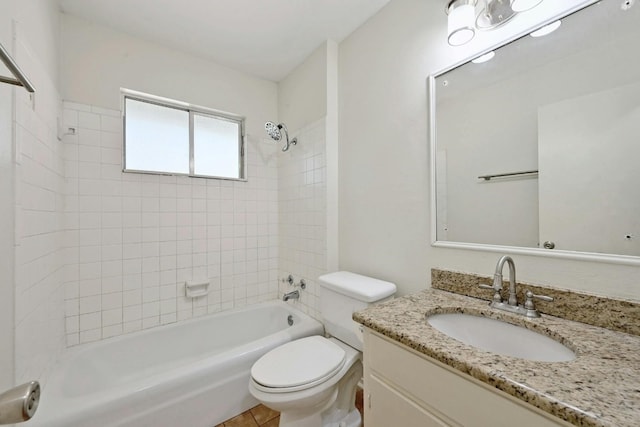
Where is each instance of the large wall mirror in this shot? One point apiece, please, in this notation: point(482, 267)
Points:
point(538, 150)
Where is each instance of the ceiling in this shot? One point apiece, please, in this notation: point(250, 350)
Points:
point(265, 38)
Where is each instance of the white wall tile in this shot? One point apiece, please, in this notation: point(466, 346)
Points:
point(112, 331)
point(90, 321)
point(302, 216)
point(138, 238)
point(90, 304)
point(112, 317)
point(88, 120)
point(41, 296)
point(90, 336)
point(111, 124)
point(112, 300)
point(88, 287)
point(132, 326)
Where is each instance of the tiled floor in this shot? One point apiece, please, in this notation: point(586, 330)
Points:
point(261, 416)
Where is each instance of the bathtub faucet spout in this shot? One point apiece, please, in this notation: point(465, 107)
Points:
point(291, 295)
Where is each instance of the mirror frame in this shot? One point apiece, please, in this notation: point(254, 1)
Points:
point(551, 253)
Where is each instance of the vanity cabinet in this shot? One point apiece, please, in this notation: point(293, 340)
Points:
point(404, 387)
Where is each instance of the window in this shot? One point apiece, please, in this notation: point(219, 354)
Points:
point(170, 137)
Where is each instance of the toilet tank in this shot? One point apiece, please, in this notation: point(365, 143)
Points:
point(341, 294)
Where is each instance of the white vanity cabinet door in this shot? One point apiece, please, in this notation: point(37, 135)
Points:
point(402, 385)
point(385, 404)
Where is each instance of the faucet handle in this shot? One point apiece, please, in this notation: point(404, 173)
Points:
point(530, 296)
point(496, 296)
point(288, 279)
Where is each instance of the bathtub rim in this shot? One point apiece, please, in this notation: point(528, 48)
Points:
point(60, 406)
point(69, 352)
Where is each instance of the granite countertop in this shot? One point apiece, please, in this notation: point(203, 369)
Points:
point(601, 387)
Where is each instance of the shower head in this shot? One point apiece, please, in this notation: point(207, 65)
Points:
point(273, 130)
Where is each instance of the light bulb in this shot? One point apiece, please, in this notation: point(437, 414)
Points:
point(460, 24)
point(547, 29)
point(484, 58)
point(524, 5)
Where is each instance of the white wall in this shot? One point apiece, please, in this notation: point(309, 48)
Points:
point(302, 174)
point(302, 95)
point(7, 287)
point(30, 31)
point(97, 61)
point(133, 240)
point(384, 162)
point(384, 192)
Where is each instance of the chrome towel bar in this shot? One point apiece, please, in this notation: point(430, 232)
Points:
point(20, 79)
point(500, 175)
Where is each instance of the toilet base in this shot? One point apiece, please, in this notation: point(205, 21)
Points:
point(337, 410)
point(354, 419)
point(322, 417)
point(331, 404)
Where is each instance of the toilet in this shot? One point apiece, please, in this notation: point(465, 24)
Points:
point(312, 381)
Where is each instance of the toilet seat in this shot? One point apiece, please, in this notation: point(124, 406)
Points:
point(298, 365)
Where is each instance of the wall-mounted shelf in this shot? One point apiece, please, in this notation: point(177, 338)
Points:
point(196, 289)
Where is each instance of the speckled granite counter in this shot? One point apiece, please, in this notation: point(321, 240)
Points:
point(601, 387)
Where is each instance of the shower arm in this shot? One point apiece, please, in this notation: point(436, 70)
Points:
point(294, 141)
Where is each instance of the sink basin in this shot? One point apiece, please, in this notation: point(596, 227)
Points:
point(500, 337)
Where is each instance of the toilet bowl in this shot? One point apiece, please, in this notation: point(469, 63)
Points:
point(312, 381)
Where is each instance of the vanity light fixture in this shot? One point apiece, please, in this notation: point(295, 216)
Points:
point(464, 17)
point(524, 5)
point(494, 14)
point(484, 58)
point(460, 27)
point(547, 29)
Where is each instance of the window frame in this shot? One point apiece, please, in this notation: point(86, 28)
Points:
point(192, 110)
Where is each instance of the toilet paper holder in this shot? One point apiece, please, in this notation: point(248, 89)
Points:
point(19, 403)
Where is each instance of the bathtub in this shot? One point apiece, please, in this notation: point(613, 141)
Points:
point(193, 373)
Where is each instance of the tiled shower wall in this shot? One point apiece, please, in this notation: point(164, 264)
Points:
point(302, 203)
point(133, 240)
point(39, 228)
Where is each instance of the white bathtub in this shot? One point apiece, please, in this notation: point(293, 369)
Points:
point(191, 374)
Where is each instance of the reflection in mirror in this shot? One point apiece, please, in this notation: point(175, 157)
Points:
point(565, 109)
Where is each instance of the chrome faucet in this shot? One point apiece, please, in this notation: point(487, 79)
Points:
point(511, 305)
point(497, 279)
point(291, 295)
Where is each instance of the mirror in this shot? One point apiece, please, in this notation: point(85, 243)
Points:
point(538, 149)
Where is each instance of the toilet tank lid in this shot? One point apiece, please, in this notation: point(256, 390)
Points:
point(363, 288)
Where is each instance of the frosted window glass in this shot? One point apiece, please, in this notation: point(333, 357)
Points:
point(216, 147)
point(157, 138)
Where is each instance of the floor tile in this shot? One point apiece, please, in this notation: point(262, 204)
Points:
point(274, 422)
point(242, 420)
point(262, 414)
